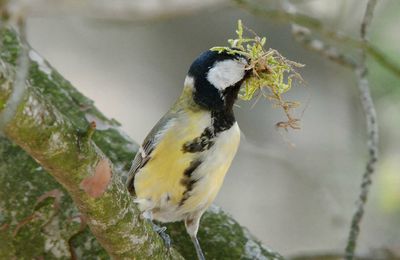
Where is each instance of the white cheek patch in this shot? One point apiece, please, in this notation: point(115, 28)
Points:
point(189, 82)
point(226, 73)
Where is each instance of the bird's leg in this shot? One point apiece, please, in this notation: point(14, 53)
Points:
point(199, 252)
point(160, 230)
point(192, 226)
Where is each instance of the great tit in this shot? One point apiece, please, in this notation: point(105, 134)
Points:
point(181, 164)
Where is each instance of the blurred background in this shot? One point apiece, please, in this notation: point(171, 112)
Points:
point(132, 60)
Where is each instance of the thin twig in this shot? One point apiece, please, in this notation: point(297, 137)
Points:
point(304, 36)
point(116, 10)
point(372, 131)
point(316, 26)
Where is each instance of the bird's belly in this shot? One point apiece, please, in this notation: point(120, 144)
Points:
point(211, 172)
point(160, 189)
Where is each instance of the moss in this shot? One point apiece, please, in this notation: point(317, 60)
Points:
point(86, 246)
point(221, 237)
point(19, 172)
point(270, 74)
point(119, 150)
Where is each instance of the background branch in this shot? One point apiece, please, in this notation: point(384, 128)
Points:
point(316, 26)
point(372, 132)
point(117, 10)
point(304, 35)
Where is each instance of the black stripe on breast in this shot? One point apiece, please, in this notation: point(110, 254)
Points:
point(201, 143)
point(221, 121)
point(188, 181)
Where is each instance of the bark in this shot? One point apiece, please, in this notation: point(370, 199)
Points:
point(58, 176)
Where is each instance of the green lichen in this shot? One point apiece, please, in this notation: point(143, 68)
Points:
point(19, 172)
point(223, 237)
point(118, 150)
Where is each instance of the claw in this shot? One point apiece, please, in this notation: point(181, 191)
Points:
point(165, 237)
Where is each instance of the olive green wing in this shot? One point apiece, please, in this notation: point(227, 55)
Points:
point(147, 147)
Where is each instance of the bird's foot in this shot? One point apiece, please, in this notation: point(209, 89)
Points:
point(165, 237)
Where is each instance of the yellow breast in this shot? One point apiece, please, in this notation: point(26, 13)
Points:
point(211, 172)
point(158, 185)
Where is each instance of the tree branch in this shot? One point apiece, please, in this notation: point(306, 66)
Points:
point(372, 132)
point(46, 124)
point(49, 136)
point(116, 10)
point(304, 36)
point(316, 26)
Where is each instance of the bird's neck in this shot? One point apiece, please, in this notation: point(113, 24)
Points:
point(223, 118)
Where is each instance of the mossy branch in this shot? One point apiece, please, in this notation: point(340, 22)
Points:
point(41, 128)
point(51, 123)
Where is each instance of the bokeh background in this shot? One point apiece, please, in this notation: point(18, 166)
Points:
point(295, 199)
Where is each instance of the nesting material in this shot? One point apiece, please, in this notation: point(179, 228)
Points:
point(271, 74)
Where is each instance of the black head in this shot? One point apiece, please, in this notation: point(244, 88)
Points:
point(216, 78)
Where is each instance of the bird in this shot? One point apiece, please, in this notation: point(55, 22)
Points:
point(180, 166)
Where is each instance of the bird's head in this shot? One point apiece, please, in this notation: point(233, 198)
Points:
point(216, 79)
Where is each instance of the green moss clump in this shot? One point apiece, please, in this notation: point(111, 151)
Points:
point(271, 74)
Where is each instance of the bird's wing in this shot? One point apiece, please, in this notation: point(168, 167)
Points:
point(147, 147)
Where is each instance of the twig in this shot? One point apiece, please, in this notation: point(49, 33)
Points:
point(372, 131)
point(304, 36)
point(316, 26)
point(74, 236)
point(23, 222)
point(116, 10)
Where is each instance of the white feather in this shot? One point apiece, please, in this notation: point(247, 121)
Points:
point(226, 73)
point(189, 82)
